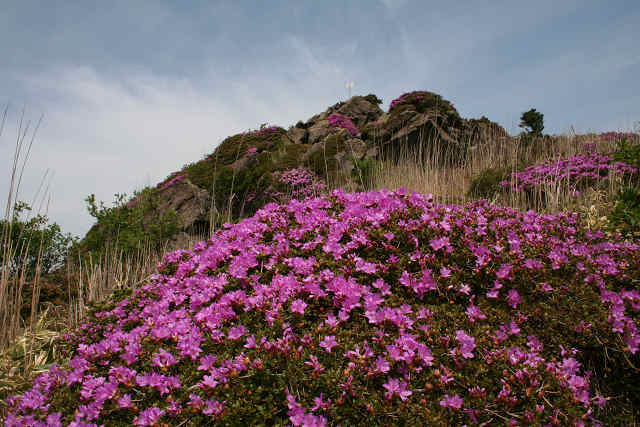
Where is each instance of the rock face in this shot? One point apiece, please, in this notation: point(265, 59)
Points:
point(361, 110)
point(189, 201)
point(424, 125)
point(246, 166)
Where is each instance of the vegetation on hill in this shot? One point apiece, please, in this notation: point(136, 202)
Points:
point(501, 288)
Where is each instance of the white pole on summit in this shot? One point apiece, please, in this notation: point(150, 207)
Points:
point(349, 85)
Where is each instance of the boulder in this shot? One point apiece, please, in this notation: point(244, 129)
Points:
point(297, 135)
point(190, 202)
point(361, 110)
point(424, 124)
point(319, 130)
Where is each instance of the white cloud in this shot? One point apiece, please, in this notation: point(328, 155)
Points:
point(108, 134)
point(394, 4)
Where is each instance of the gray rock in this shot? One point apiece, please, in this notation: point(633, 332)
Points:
point(190, 202)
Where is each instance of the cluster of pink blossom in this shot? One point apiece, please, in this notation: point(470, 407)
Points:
point(385, 300)
point(616, 136)
point(168, 183)
point(172, 179)
point(404, 97)
point(344, 122)
point(252, 151)
point(573, 171)
point(298, 183)
point(267, 131)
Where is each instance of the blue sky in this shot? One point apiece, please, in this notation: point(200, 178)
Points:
point(133, 90)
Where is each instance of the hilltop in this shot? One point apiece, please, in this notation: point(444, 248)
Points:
point(338, 147)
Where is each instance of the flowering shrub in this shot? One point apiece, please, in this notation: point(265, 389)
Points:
point(298, 183)
point(173, 178)
point(380, 308)
point(615, 136)
point(344, 122)
point(268, 131)
point(234, 147)
point(252, 151)
point(582, 169)
point(403, 98)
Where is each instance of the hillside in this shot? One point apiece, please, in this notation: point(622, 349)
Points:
point(322, 292)
point(337, 147)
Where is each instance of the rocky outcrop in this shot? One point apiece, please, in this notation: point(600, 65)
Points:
point(330, 144)
point(190, 202)
point(422, 124)
point(360, 109)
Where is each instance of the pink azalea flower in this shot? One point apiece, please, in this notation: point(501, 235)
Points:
point(452, 402)
point(298, 306)
point(513, 298)
point(395, 386)
point(328, 343)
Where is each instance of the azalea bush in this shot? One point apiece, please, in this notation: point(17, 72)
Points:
point(626, 213)
point(616, 136)
point(381, 308)
point(298, 183)
point(172, 179)
point(344, 122)
point(575, 172)
point(628, 150)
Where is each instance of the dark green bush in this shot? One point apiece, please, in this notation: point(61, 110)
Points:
point(323, 162)
point(363, 170)
point(241, 192)
point(27, 236)
point(626, 213)
point(533, 122)
point(487, 183)
point(373, 99)
point(628, 151)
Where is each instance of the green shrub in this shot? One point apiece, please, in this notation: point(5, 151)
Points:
point(532, 122)
point(244, 188)
point(626, 213)
point(129, 226)
point(628, 151)
point(487, 183)
point(25, 239)
point(423, 101)
point(323, 162)
point(364, 169)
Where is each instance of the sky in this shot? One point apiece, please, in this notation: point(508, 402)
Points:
point(130, 91)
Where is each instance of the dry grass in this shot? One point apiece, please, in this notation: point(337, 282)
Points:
point(12, 282)
point(451, 184)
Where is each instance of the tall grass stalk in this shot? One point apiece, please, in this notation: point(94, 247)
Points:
point(12, 282)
